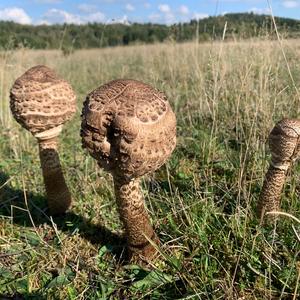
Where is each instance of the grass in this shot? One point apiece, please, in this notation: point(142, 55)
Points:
point(227, 97)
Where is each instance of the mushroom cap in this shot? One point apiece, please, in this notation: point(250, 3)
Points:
point(128, 127)
point(40, 100)
point(284, 142)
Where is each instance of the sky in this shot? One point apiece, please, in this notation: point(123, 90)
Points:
point(157, 11)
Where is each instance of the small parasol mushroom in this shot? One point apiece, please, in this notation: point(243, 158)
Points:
point(42, 102)
point(285, 149)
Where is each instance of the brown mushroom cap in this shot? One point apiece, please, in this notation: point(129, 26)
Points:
point(128, 127)
point(40, 100)
point(284, 143)
point(285, 149)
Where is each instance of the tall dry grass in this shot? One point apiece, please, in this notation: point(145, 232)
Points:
point(227, 97)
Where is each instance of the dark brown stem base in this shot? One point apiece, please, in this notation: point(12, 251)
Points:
point(136, 221)
point(58, 195)
point(269, 199)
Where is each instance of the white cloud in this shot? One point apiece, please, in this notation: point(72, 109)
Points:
point(110, 1)
point(147, 5)
point(48, 1)
point(154, 18)
point(164, 8)
point(184, 10)
point(168, 16)
point(129, 7)
point(86, 8)
point(15, 14)
point(260, 11)
point(199, 16)
point(290, 4)
point(57, 16)
point(123, 20)
point(97, 17)
point(42, 22)
point(60, 16)
point(238, 1)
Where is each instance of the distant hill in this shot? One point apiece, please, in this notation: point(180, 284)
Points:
point(94, 35)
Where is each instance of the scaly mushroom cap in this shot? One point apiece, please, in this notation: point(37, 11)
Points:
point(128, 127)
point(40, 100)
point(283, 143)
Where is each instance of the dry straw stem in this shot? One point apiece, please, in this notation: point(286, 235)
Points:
point(211, 212)
point(284, 147)
point(42, 102)
point(130, 129)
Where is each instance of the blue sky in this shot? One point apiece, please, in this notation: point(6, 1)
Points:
point(158, 11)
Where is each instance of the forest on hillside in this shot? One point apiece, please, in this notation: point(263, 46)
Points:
point(95, 35)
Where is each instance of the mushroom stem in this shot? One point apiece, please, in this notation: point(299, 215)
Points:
point(135, 218)
point(285, 149)
point(270, 196)
point(58, 195)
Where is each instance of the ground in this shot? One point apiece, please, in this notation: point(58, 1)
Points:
point(227, 96)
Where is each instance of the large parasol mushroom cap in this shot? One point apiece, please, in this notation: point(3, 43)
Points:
point(128, 127)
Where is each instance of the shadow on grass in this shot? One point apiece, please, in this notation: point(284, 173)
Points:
point(13, 204)
point(34, 296)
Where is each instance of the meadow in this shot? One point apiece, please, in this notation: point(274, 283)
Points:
point(227, 96)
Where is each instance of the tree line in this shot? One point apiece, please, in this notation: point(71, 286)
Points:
point(95, 35)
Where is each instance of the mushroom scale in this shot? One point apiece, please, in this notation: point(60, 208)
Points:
point(285, 149)
point(130, 129)
point(42, 102)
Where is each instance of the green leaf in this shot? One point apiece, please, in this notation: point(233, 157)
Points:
point(182, 175)
point(32, 238)
point(58, 281)
point(72, 293)
point(102, 251)
point(21, 285)
point(4, 273)
point(153, 279)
